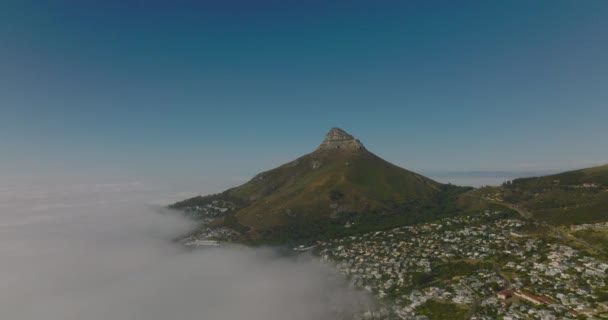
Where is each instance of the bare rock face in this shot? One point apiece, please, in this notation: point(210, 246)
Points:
point(337, 138)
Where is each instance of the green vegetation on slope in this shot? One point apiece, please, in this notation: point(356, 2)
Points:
point(441, 311)
point(317, 194)
point(301, 229)
point(573, 197)
point(594, 241)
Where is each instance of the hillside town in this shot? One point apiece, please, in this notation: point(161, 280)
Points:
point(206, 235)
point(483, 266)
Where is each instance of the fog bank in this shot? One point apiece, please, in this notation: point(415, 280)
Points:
point(106, 252)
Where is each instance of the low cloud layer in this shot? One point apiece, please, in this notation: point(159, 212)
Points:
point(101, 252)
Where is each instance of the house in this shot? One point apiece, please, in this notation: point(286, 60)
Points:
point(505, 294)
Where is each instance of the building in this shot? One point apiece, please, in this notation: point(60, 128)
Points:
point(505, 294)
point(532, 298)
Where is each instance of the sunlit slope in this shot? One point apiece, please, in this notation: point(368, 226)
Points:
point(325, 184)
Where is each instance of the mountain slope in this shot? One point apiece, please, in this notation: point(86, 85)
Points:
point(340, 183)
point(573, 197)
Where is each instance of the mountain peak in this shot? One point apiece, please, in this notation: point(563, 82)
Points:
point(337, 138)
point(315, 194)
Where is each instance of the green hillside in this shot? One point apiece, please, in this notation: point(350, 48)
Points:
point(572, 197)
point(344, 181)
point(339, 188)
point(576, 178)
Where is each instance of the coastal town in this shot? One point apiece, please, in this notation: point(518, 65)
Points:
point(484, 266)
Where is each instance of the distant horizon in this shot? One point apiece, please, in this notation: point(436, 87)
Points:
point(218, 182)
point(209, 184)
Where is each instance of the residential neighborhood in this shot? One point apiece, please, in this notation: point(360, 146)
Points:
point(483, 266)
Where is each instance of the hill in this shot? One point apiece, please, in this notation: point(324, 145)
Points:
point(339, 188)
point(573, 197)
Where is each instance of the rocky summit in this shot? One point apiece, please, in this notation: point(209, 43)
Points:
point(337, 138)
point(340, 187)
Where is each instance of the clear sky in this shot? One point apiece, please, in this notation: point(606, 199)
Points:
point(229, 88)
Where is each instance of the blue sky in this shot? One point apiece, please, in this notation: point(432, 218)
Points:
point(229, 88)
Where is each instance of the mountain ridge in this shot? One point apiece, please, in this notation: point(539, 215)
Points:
point(339, 183)
point(342, 187)
point(570, 197)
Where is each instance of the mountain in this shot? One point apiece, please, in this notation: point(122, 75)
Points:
point(340, 187)
point(573, 197)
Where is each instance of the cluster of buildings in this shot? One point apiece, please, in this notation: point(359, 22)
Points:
point(205, 235)
point(210, 210)
point(562, 279)
point(484, 263)
point(590, 185)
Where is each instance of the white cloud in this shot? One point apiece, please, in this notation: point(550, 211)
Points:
point(100, 252)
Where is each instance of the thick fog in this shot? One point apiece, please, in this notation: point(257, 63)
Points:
point(105, 251)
